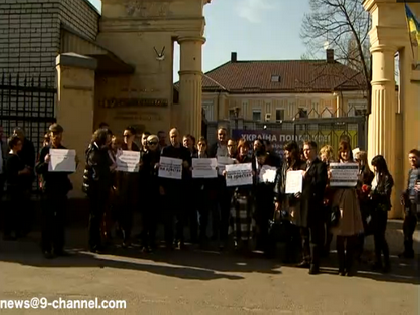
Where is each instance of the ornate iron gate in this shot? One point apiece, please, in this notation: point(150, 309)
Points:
point(28, 103)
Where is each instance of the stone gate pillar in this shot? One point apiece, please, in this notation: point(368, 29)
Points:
point(75, 85)
point(190, 75)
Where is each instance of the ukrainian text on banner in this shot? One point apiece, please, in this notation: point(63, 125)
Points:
point(268, 174)
point(204, 168)
point(294, 181)
point(170, 168)
point(128, 161)
point(344, 174)
point(62, 160)
point(222, 162)
point(239, 174)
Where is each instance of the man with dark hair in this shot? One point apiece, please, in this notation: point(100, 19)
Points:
point(28, 156)
point(162, 139)
point(55, 186)
point(310, 218)
point(103, 125)
point(410, 201)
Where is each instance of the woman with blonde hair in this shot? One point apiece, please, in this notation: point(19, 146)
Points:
point(364, 187)
point(350, 224)
point(327, 156)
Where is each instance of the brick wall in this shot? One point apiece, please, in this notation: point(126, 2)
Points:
point(80, 16)
point(30, 33)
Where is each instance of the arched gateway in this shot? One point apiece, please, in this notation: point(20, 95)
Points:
point(125, 77)
point(393, 126)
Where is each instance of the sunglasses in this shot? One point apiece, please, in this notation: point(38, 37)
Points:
point(152, 143)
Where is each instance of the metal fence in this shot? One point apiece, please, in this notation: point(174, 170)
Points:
point(29, 103)
point(325, 128)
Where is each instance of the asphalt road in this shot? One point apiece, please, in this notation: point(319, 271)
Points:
point(196, 282)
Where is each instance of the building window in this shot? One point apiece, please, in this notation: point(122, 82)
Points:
point(232, 114)
point(245, 109)
point(275, 78)
point(256, 115)
point(279, 115)
point(268, 108)
point(208, 109)
point(315, 108)
point(357, 107)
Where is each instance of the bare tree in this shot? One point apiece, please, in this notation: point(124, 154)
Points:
point(342, 25)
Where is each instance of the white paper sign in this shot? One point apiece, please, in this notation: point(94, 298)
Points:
point(62, 160)
point(294, 181)
point(355, 151)
point(128, 161)
point(344, 174)
point(170, 168)
point(204, 168)
point(268, 174)
point(222, 161)
point(239, 174)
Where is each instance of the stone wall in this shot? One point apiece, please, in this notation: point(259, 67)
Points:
point(30, 33)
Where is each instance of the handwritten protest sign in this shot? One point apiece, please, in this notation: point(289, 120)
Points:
point(268, 174)
point(344, 174)
point(239, 174)
point(294, 181)
point(204, 168)
point(222, 161)
point(62, 160)
point(128, 161)
point(170, 168)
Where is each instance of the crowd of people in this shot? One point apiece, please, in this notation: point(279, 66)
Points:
point(238, 215)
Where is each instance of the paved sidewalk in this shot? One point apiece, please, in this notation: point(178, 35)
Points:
point(194, 282)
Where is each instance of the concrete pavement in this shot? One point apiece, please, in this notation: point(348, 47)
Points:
point(195, 282)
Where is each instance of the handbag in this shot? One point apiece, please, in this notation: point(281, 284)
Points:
point(335, 216)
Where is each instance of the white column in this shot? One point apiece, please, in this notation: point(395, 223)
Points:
point(190, 76)
point(382, 135)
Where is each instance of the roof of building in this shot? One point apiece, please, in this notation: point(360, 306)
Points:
point(282, 76)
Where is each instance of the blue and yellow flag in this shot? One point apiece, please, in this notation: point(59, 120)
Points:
point(414, 29)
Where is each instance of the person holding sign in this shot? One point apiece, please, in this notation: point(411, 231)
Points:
point(309, 217)
point(149, 170)
point(55, 186)
point(350, 224)
point(128, 183)
point(174, 189)
point(204, 189)
point(242, 202)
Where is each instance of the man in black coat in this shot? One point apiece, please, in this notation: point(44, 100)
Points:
point(310, 217)
point(174, 191)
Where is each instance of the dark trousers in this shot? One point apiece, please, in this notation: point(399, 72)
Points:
point(53, 221)
point(149, 226)
point(173, 209)
point(409, 227)
point(126, 219)
point(311, 240)
point(221, 214)
point(264, 212)
point(346, 246)
point(381, 246)
point(191, 212)
point(12, 214)
point(98, 201)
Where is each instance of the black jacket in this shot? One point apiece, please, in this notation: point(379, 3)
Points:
point(381, 195)
point(97, 175)
point(280, 182)
point(312, 198)
point(52, 182)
